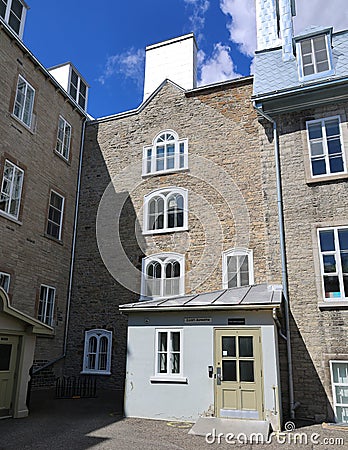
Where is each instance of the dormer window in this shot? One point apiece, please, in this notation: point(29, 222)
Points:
point(78, 89)
point(13, 12)
point(314, 57)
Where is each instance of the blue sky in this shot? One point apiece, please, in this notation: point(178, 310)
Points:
point(105, 40)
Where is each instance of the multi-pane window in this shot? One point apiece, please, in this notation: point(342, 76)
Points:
point(169, 352)
point(55, 215)
point(97, 353)
point(163, 275)
point(167, 153)
point(11, 189)
point(165, 210)
point(314, 56)
point(5, 281)
point(325, 146)
point(63, 138)
point(237, 265)
point(333, 245)
point(78, 89)
point(46, 304)
point(339, 380)
point(13, 12)
point(24, 102)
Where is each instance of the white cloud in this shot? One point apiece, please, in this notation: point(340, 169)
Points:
point(130, 64)
point(321, 12)
point(197, 17)
point(218, 67)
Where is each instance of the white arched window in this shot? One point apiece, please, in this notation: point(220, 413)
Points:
point(97, 353)
point(163, 275)
point(165, 210)
point(167, 153)
point(237, 268)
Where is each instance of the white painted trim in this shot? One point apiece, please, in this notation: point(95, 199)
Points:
point(10, 196)
point(8, 278)
point(97, 333)
point(237, 251)
point(66, 124)
point(20, 117)
point(178, 377)
point(333, 385)
point(45, 304)
point(61, 216)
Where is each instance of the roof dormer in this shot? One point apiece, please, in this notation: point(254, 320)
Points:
point(13, 12)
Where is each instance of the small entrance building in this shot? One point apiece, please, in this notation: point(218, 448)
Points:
point(18, 333)
point(211, 354)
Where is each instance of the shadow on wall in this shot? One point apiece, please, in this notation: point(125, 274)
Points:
point(106, 226)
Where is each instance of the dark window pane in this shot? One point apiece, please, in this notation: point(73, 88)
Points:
point(2, 8)
point(315, 131)
point(329, 263)
point(327, 241)
point(332, 287)
point(306, 46)
point(308, 70)
point(246, 371)
point(17, 8)
point(319, 43)
point(176, 341)
point(228, 346)
point(318, 167)
point(322, 66)
point(336, 164)
point(229, 372)
point(344, 261)
point(345, 281)
point(343, 238)
point(334, 146)
point(14, 23)
point(246, 346)
point(5, 356)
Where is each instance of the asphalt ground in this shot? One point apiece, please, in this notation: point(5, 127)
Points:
point(83, 424)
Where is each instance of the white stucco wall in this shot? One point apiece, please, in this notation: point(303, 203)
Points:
point(189, 401)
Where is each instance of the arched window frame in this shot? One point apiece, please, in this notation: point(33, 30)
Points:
point(237, 252)
point(171, 162)
point(98, 334)
point(165, 195)
point(163, 259)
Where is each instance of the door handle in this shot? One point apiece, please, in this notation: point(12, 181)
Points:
point(218, 375)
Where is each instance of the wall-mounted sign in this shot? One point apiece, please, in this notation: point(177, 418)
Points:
point(197, 320)
point(236, 321)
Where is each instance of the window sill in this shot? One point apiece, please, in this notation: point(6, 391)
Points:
point(165, 231)
point(94, 372)
point(317, 76)
point(164, 172)
point(11, 218)
point(334, 304)
point(51, 238)
point(332, 177)
point(25, 126)
point(169, 379)
point(67, 161)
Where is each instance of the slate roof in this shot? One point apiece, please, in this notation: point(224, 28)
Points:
point(272, 74)
point(246, 297)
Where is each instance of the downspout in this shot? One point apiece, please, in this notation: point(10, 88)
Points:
point(73, 248)
point(283, 256)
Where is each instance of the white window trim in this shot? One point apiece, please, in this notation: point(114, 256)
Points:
point(61, 216)
point(333, 300)
point(237, 252)
point(29, 126)
point(162, 258)
point(45, 304)
point(8, 278)
point(16, 168)
point(168, 377)
point(315, 75)
point(79, 81)
point(164, 193)
point(177, 143)
point(98, 333)
point(333, 385)
point(66, 125)
point(325, 147)
point(22, 20)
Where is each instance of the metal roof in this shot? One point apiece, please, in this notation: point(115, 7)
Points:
point(259, 296)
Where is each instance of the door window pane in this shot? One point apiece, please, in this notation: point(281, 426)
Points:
point(245, 346)
point(246, 371)
point(229, 372)
point(5, 356)
point(228, 346)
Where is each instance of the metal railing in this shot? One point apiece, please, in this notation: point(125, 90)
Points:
point(76, 387)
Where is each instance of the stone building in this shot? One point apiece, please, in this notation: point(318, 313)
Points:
point(303, 116)
point(41, 138)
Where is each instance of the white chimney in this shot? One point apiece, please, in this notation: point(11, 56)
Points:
point(175, 59)
point(287, 11)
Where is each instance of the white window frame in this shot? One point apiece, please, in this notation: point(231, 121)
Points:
point(6, 284)
point(163, 259)
point(22, 105)
point(334, 385)
point(63, 142)
point(165, 194)
point(60, 224)
point(13, 189)
point(339, 272)
point(324, 139)
point(180, 154)
point(78, 89)
point(168, 376)
point(98, 334)
point(316, 74)
point(8, 11)
point(237, 252)
point(47, 313)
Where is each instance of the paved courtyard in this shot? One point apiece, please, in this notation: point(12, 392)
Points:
point(83, 424)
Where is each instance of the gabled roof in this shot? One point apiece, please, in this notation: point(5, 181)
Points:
point(37, 326)
point(259, 296)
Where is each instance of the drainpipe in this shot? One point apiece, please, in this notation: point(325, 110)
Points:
point(293, 406)
point(73, 247)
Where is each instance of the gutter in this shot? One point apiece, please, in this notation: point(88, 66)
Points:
point(259, 110)
point(73, 248)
